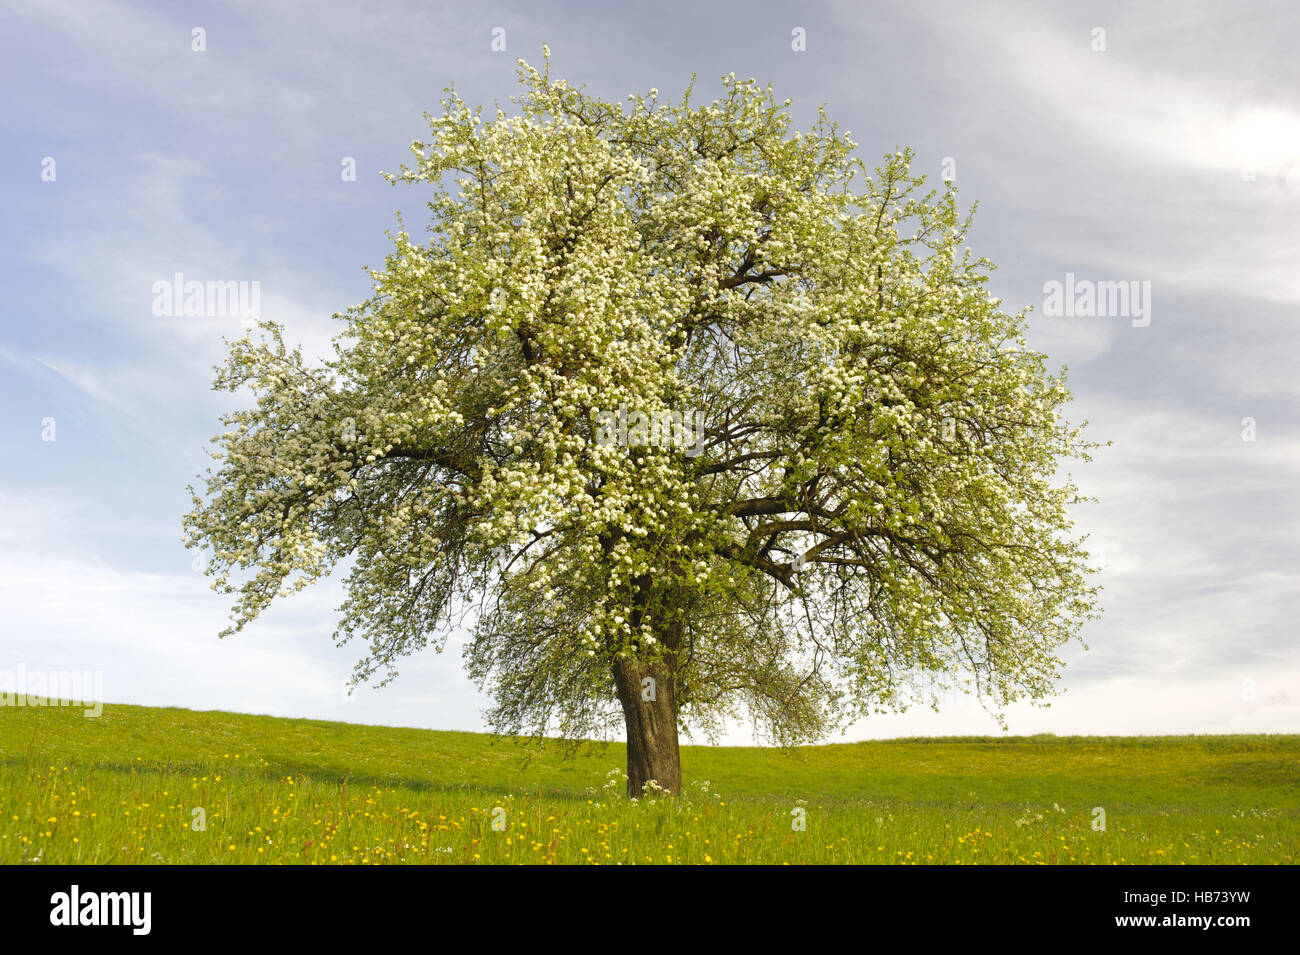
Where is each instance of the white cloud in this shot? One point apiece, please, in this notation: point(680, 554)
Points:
point(154, 635)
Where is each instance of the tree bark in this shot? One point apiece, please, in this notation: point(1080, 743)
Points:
point(648, 692)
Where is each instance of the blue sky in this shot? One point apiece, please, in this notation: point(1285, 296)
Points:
point(1171, 156)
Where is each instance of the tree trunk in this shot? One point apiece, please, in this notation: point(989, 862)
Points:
point(648, 692)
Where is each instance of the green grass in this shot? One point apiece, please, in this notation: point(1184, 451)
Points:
point(123, 788)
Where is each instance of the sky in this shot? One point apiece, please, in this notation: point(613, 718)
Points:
point(1155, 145)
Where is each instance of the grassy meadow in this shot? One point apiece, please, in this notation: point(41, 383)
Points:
point(144, 785)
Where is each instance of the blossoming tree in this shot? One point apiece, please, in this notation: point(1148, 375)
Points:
point(872, 501)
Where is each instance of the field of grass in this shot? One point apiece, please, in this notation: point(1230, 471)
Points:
point(141, 785)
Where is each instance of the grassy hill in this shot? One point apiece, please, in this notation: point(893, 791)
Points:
point(141, 785)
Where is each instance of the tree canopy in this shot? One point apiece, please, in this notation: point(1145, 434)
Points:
point(684, 416)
